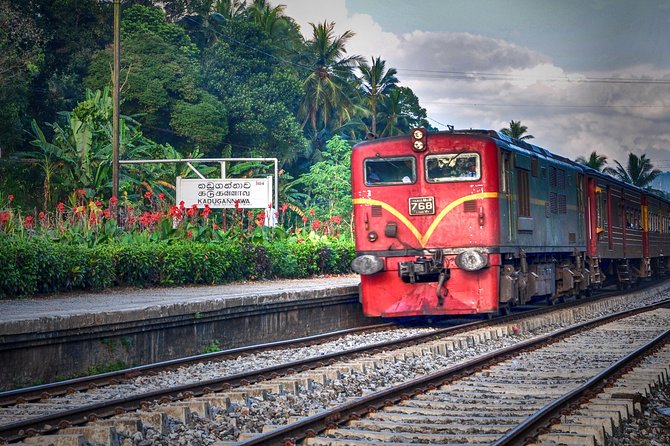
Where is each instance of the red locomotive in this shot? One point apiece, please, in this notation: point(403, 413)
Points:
point(465, 222)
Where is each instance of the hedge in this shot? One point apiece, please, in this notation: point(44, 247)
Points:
point(30, 266)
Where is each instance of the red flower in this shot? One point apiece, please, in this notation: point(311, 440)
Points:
point(28, 222)
point(215, 226)
point(304, 219)
point(113, 200)
point(4, 217)
point(81, 192)
point(284, 207)
point(316, 224)
point(43, 215)
point(191, 212)
point(205, 213)
point(147, 195)
point(10, 197)
point(98, 203)
point(60, 207)
point(161, 196)
point(175, 212)
point(189, 234)
point(250, 214)
point(336, 219)
point(108, 213)
point(181, 205)
point(237, 205)
point(311, 212)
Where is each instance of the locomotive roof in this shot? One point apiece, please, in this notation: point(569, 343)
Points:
point(523, 146)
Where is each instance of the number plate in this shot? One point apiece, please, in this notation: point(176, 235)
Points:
point(421, 205)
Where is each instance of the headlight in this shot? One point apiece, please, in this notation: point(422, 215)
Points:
point(472, 260)
point(367, 264)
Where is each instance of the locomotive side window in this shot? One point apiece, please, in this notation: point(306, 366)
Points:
point(392, 170)
point(450, 167)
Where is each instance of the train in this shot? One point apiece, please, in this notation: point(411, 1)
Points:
point(463, 222)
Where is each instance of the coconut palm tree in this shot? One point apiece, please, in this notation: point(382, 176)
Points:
point(328, 88)
point(516, 130)
point(595, 161)
point(639, 171)
point(376, 83)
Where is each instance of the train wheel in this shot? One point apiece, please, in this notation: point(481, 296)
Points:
point(504, 309)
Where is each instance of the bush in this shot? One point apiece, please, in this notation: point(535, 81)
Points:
point(35, 265)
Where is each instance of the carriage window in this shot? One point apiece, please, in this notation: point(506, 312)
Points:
point(448, 167)
point(394, 170)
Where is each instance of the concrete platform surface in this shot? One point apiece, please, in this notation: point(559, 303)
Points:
point(80, 309)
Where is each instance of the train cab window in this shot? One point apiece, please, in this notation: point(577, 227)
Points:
point(390, 170)
point(450, 167)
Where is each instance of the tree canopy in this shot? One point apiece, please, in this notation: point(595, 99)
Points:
point(220, 78)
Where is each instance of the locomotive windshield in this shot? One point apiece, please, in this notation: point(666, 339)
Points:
point(449, 167)
point(392, 170)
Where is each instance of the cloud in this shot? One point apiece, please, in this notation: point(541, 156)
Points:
point(474, 81)
point(463, 52)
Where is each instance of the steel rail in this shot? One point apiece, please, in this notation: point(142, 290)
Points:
point(36, 393)
point(311, 426)
point(530, 427)
point(81, 384)
point(49, 423)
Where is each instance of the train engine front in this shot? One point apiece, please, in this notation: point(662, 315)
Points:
point(427, 226)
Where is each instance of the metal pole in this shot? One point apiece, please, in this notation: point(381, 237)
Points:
point(115, 112)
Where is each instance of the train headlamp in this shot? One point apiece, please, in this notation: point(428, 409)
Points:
point(419, 143)
point(367, 264)
point(472, 260)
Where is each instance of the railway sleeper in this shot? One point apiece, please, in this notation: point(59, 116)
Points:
point(95, 434)
point(410, 437)
point(615, 404)
point(55, 440)
point(413, 426)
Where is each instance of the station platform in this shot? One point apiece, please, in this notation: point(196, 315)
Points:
point(70, 334)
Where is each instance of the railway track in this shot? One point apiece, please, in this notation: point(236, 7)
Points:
point(531, 396)
point(206, 402)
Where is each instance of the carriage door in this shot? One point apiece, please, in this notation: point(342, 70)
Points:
point(506, 188)
point(580, 208)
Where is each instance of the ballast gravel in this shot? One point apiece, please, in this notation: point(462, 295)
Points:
point(238, 420)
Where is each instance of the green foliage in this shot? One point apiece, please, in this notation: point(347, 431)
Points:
point(212, 347)
point(328, 182)
point(204, 121)
point(260, 94)
point(78, 156)
point(36, 265)
point(21, 57)
point(162, 82)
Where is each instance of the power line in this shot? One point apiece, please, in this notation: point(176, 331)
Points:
point(483, 104)
point(475, 75)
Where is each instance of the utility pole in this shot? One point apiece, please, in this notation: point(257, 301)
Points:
point(115, 113)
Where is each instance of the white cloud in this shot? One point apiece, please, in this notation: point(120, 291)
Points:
point(567, 112)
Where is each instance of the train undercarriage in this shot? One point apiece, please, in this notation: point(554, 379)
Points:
point(526, 277)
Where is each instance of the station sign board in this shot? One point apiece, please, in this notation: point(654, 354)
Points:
point(248, 193)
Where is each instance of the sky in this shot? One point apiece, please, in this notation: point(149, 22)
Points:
point(582, 75)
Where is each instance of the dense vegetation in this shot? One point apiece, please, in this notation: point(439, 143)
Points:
point(206, 78)
point(199, 78)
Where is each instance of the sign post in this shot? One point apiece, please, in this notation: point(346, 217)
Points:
point(226, 193)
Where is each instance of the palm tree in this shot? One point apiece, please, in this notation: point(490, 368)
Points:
point(595, 161)
point(639, 171)
point(376, 83)
point(229, 9)
point(516, 130)
point(327, 88)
